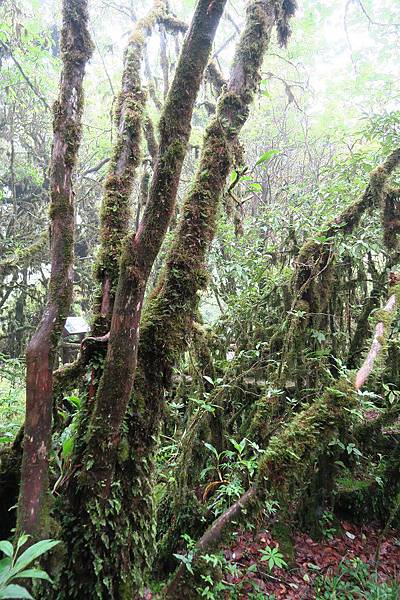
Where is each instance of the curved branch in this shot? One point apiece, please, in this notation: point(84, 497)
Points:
point(378, 341)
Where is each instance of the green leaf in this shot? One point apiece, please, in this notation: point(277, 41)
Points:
point(22, 541)
point(4, 564)
point(5, 568)
point(211, 448)
point(266, 156)
point(74, 400)
point(335, 392)
point(67, 447)
point(186, 560)
point(239, 446)
point(6, 547)
point(14, 591)
point(292, 454)
point(33, 552)
point(34, 574)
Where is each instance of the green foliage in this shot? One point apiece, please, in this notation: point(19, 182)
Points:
point(266, 156)
point(214, 571)
point(274, 557)
point(325, 106)
point(235, 470)
point(12, 397)
point(14, 566)
point(327, 525)
point(355, 581)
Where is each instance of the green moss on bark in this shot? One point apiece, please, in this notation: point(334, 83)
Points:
point(287, 464)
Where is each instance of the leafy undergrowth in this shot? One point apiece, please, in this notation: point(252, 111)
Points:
point(12, 398)
point(341, 567)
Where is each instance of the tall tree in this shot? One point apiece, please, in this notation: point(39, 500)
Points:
point(173, 304)
point(141, 248)
point(92, 488)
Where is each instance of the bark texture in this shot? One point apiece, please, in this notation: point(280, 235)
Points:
point(76, 51)
point(116, 217)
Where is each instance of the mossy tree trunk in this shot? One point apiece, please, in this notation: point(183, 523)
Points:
point(95, 511)
point(311, 285)
point(173, 305)
point(76, 51)
point(362, 328)
point(141, 249)
point(115, 216)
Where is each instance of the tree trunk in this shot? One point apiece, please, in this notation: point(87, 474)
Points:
point(115, 216)
point(76, 51)
point(141, 249)
point(287, 466)
point(95, 511)
point(169, 314)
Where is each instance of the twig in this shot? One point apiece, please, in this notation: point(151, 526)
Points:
point(24, 75)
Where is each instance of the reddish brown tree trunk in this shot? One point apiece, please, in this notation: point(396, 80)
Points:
point(76, 50)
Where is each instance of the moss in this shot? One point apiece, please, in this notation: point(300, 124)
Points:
point(382, 316)
point(288, 462)
point(186, 516)
point(24, 257)
point(348, 484)
point(282, 532)
point(115, 214)
point(312, 279)
point(170, 311)
point(284, 11)
point(76, 50)
point(123, 450)
point(365, 500)
point(172, 24)
point(395, 289)
point(390, 217)
point(264, 418)
point(386, 318)
point(77, 47)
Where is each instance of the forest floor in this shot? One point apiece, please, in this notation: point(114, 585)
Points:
point(341, 566)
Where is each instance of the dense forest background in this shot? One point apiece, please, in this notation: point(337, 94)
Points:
point(268, 378)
